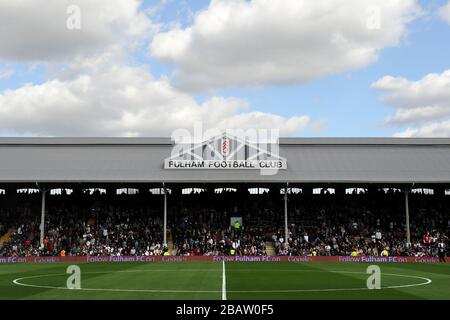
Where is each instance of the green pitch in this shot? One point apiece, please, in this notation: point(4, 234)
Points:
point(243, 280)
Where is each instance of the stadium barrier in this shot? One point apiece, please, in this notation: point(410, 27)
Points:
point(94, 259)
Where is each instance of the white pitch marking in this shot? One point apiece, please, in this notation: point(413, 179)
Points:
point(224, 282)
point(427, 281)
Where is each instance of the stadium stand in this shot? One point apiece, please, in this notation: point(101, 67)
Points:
point(202, 224)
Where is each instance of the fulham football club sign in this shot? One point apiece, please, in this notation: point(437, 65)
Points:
point(226, 152)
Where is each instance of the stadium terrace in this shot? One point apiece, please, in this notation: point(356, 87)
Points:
point(125, 197)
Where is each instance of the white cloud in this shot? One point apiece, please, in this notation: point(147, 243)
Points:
point(125, 101)
point(91, 90)
point(435, 129)
point(6, 73)
point(250, 43)
point(36, 30)
point(423, 105)
point(444, 12)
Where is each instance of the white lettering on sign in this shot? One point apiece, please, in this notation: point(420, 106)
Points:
point(225, 164)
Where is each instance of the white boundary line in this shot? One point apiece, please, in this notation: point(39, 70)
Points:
point(224, 282)
point(223, 291)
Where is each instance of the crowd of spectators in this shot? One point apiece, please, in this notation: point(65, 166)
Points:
point(361, 227)
point(205, 224)
point(94, 232)
point(195, 237)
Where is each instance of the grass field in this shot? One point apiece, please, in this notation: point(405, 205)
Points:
point(230, 280)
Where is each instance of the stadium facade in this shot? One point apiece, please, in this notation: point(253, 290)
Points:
point(141, 160)
point(151, 162)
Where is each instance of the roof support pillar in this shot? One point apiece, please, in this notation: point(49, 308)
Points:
point(286, 229)
point(165, 216)
point(408, 231)
point(42, 226)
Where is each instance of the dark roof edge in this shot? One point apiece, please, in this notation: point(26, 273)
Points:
point(86, 141)
point(168, 141)
point(364, 141)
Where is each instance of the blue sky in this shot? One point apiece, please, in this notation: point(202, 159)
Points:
point(340, 104)
point(346, 103)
